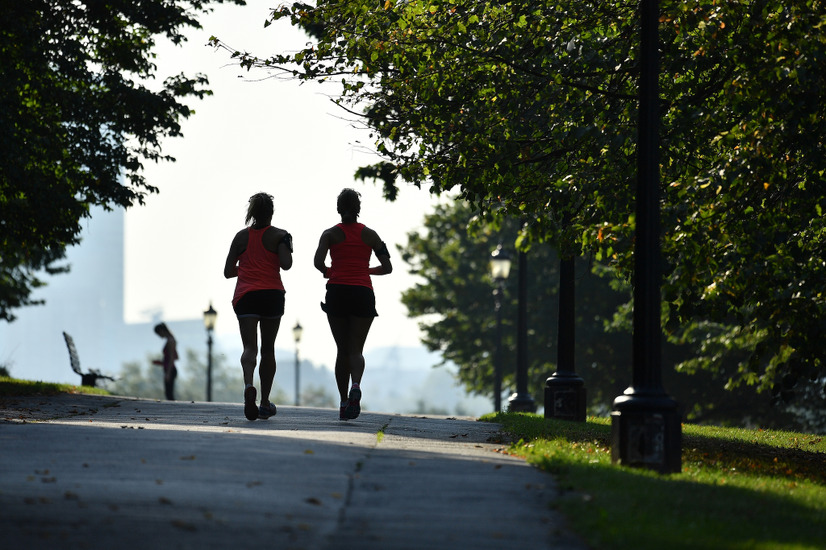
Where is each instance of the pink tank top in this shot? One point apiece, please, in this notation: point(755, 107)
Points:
point(258, 268)
point(350, 259)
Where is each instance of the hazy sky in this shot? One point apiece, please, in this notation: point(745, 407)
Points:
point(266, 135)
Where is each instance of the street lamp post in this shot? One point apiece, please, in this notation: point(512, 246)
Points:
point(297, 330)
point(564, 389)
point(500, 267)
point(210, 316)
point(521, 400)
point(645, 421)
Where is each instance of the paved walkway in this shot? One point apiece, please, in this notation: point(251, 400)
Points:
point(81, 471)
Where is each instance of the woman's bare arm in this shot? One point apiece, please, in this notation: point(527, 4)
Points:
point(380, 249)
point(320, 256)
point(235, 250)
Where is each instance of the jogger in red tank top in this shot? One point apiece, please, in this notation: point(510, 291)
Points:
point(256, 256)
point(350, 302)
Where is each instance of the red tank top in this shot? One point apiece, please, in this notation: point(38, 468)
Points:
point(350, 259)
point(258, 268)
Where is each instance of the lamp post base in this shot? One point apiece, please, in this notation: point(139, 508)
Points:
point(565, 397)
point(521, 402)
point(645, 432)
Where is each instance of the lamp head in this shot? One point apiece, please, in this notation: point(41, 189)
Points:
point(500, 264)
point(210, 316)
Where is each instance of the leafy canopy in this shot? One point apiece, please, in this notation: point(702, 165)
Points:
point(528, 109)
point(78, 119)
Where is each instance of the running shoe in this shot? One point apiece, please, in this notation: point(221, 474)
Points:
point(341, 415)
point(353, 408)
point(250, 410)
point(266, 411)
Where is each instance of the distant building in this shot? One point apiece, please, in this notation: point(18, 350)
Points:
point(87, 303)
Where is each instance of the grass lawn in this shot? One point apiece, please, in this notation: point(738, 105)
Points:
point(15, 387)
point(738, 489)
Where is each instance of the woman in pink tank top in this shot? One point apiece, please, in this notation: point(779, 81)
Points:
point(256, 257)
point(350, 303)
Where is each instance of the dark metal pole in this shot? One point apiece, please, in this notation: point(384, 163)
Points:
point(521, 401)
point(297, 374)
point(647, 333)
point(209, 365)
point(567, 316)
point(497, 382)
point(645, 421)
point(564, 390)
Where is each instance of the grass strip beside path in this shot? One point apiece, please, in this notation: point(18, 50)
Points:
point(20, 388)
point(738, 489)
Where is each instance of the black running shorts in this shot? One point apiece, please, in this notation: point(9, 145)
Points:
point(262, 304)
point(350, 300)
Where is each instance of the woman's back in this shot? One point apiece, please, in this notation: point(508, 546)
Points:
point(350, 257)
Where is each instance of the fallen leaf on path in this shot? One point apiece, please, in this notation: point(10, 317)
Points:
point(186, 526)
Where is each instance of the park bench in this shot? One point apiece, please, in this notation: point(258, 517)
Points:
point(86, 379)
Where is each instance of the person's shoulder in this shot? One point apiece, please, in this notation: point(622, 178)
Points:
point(332, 235)
point(334, 230)
point(273, 236)
point(241, 236)
point(369, 234)
point(276, 231)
